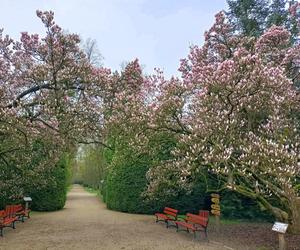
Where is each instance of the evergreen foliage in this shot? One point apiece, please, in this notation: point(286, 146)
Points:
point(52, 195)
point(248, 16)
point(253, 17)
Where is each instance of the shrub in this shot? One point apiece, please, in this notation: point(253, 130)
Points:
point(236, 206)
point(124, 185)
point(32, 174)
point(169, 195)
point(52, 195)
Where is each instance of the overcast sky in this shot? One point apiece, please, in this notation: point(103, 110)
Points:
point(157, 32)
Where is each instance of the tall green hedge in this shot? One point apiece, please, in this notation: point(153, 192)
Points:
point(52, 196)
point(37, 174)
point(125, 182)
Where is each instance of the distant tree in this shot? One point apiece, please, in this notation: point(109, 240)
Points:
point(278, 13)
point(123, 64)
point(90, 166)
point(248, 16)
point(253, 17)
point(92, 52)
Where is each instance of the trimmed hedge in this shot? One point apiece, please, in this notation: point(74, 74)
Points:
point(126, 181)
point(52, 196)
point(124, 184)
point(37, 174)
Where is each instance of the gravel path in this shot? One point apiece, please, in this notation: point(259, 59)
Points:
point(85, 223)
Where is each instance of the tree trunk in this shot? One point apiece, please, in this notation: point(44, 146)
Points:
point(294, 226)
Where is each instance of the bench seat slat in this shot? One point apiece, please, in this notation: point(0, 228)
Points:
point(185, 224)
point(164, 216)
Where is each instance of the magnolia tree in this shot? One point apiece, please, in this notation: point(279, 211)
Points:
point(235, 114)
point(49, 91)
point(128, 108)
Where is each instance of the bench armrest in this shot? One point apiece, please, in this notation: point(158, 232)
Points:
point(2, 217)
point(2, 214)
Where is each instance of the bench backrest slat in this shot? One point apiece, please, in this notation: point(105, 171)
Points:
point(10, 211)
point(171, 211)
point(18, 208)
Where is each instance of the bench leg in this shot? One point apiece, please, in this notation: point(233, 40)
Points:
point(167, 224)
point(13, 225)
point(1, 231)
point(177, 229)
point(205, 231)
point(21, 218)
point(157, 220)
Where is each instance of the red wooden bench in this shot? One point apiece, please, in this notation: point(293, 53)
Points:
point(169, 214)
point(22, 212)
point(194, 223)
point(204, 213)
point(8, 218)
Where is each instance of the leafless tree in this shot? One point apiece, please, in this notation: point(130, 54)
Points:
point(90, 47)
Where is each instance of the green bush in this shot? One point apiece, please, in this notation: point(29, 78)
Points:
point(126, 182)
point(176, 197)
point(52, 196)
point(235, 206)
point(32, 174)
point(124, 185)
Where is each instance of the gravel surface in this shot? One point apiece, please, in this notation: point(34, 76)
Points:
point(258, 236)
point(85, 223)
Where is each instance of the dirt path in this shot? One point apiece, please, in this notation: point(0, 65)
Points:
point(85, 223)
